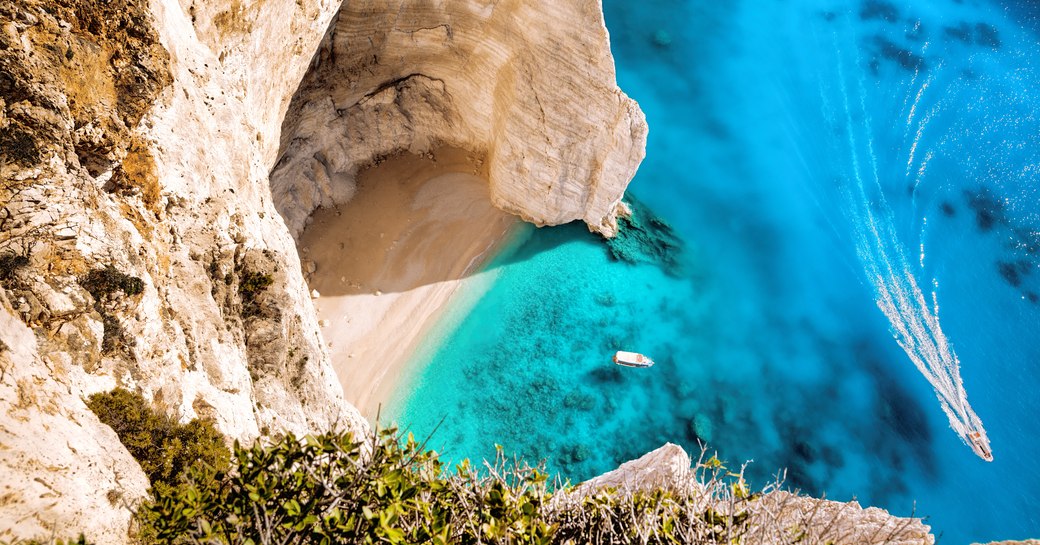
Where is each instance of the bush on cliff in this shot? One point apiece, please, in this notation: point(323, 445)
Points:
point(384, 488)
point(165, 449)
point(332, 488)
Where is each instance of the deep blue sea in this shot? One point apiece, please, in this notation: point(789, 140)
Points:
point(813, 156)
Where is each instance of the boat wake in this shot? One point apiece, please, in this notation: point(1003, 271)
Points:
point(913, 316)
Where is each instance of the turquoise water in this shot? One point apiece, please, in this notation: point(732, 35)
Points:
point(791, 144)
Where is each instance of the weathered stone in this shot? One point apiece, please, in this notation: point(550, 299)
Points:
point(528, 87)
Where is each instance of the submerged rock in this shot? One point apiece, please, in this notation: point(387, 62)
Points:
point(646, 238)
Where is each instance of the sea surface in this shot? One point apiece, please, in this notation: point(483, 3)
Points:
point(814, 158)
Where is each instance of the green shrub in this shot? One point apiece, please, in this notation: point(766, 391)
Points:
point(250, 286)
point(333, 489)
point(165, 449)
point(385, 488)
point(102, 282)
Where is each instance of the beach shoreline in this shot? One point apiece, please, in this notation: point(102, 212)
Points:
point(388, 264)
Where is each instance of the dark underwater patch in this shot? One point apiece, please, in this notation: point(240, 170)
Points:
point(987, 35)
point(982, 34)
point(906, 59)
point(961, 33)
point(805, 452)
point(1021, 245)
point(947, 209)
point(607, 375)
point(643, 237)
point(878, 9)
point(1026, 240)
point(903, 414)
point(1010, 273)
point(989, 211)
point(798, 479)
point(1015, 272)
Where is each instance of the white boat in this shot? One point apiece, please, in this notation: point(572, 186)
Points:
point(632, 359)
point(980, 445)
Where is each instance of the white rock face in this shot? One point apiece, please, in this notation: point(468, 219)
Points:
point(528, 85)
point(223, 326)
point(776, 516)
point(215, 134)
point(664, 467)
point(60, 468)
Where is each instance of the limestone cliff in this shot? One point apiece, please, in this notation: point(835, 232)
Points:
point(530, 86)
point(139, 243)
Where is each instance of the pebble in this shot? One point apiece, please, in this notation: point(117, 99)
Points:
point(315, 294)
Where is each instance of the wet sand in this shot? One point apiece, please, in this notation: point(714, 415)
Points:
point(388, 262)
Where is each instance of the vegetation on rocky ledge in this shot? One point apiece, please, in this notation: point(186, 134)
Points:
point(104, 285)
point(165, 449)
point(388, 488)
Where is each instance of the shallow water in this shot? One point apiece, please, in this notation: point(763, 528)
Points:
point(780, 132)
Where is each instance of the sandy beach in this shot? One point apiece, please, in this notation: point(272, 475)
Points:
point(387, 263)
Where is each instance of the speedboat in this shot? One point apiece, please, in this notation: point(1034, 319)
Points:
point(980, 444)
point(632, 359)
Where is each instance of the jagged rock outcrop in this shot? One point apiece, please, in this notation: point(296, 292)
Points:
point(777, 516)
point(665, 467)
point(528, 85)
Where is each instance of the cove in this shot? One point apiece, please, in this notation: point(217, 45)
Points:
point(789, 141)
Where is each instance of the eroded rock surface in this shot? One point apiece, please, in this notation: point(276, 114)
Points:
point(528, 85)
point(777, 516)
point(139, 246)
point(60, 468)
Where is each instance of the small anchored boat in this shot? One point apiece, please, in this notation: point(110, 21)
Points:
point(980, 445)
point(632, 359)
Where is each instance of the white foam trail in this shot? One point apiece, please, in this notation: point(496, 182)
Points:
point(915, 324)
